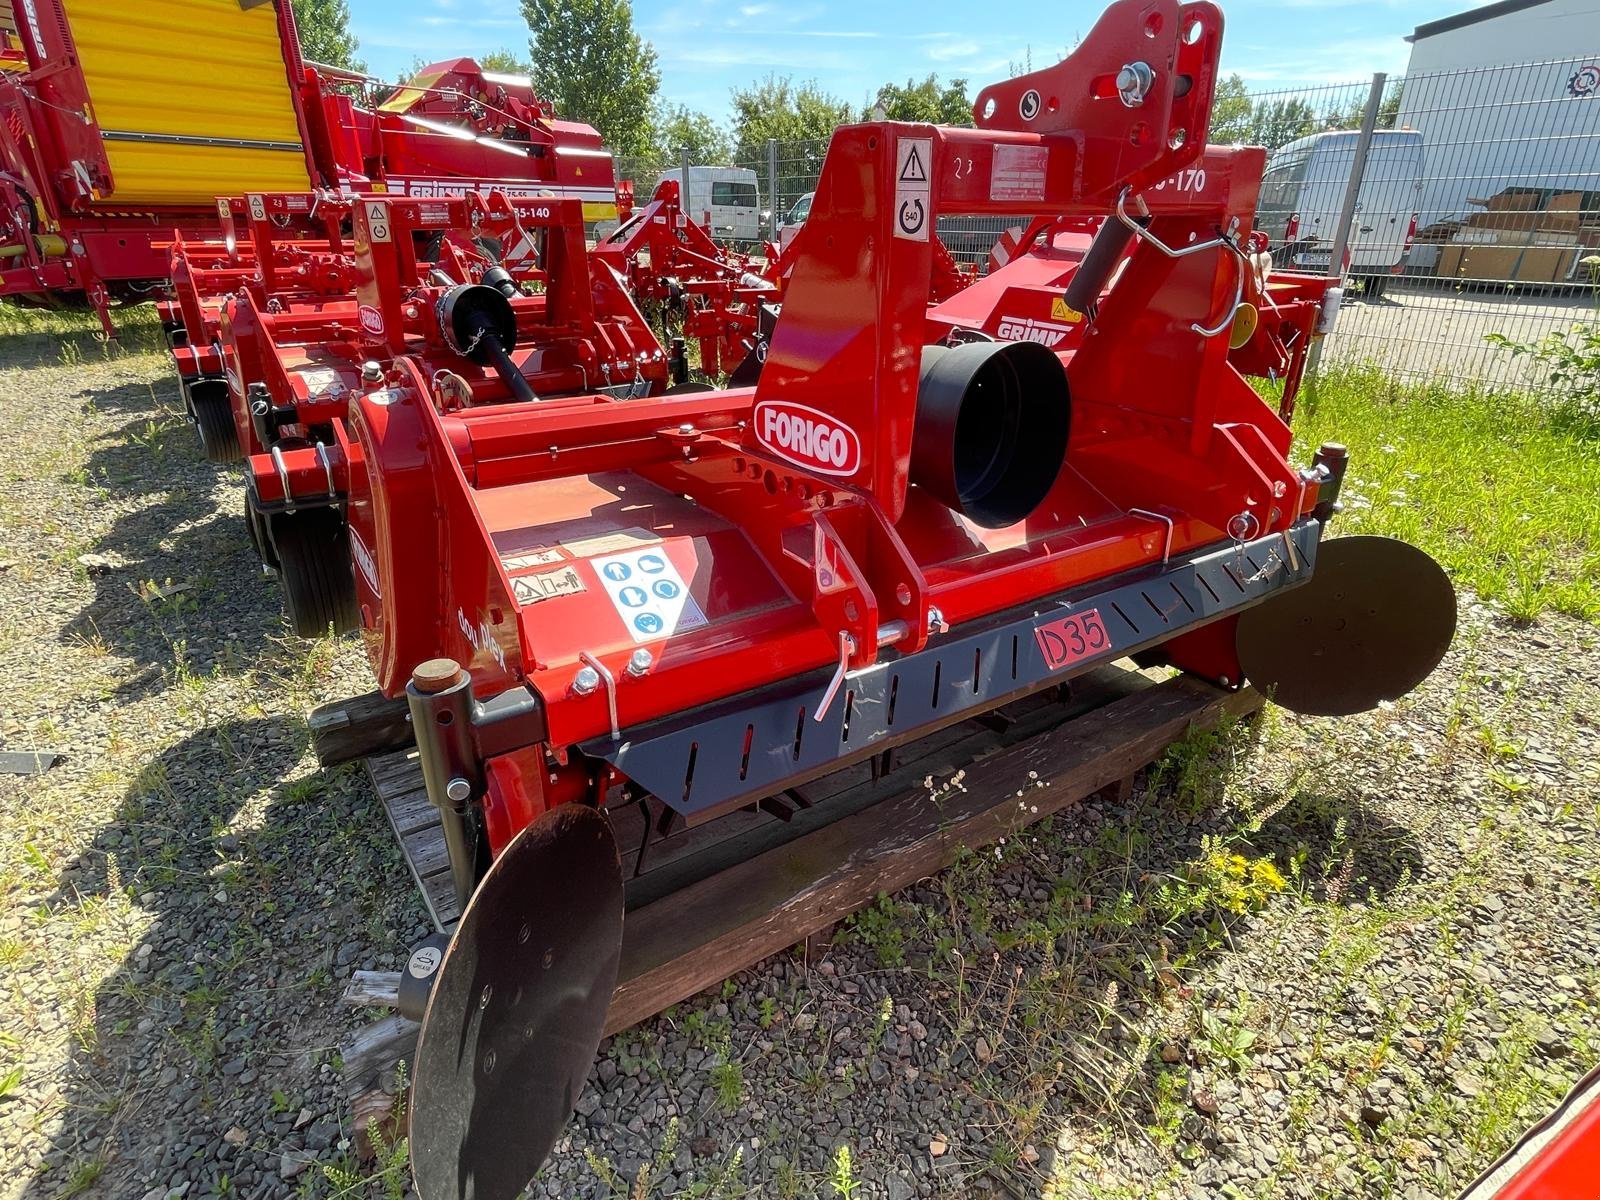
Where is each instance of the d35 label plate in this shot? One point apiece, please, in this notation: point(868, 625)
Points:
point(1072, 638)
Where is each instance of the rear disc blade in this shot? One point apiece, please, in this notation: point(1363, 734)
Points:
point(517, 1010)
point(1374, 621)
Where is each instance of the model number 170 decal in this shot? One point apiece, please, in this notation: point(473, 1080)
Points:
point(1069, 639)
point(1191, 179)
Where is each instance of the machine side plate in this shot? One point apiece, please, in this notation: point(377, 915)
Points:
point(755, 746)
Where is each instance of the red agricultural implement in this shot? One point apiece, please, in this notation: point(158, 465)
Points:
point(714, 296)
point(690, 604)
point(115, 138)
point(493, 297)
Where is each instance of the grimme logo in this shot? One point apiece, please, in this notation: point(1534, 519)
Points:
point(371, 320)
point(808, 437)
point(365, 563)
point(1026, 329)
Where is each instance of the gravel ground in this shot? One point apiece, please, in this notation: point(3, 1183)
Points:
point(1303, 958)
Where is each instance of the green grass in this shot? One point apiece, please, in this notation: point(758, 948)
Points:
point(1496, 486)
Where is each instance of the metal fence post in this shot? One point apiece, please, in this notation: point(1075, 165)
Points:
point(1347, 208)
point(1358, 170)
point(683, 183)
point(772, 187)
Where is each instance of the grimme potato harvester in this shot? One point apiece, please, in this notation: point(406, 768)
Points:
point(603, 595)
point(124, 122)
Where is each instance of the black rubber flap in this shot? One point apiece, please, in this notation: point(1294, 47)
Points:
point(517, 1010)
point(1373, 622)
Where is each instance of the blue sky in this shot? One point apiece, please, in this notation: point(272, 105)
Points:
point(710, 46)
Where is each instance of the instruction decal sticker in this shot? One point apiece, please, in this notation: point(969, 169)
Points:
point(649, 594)
point(913, 188)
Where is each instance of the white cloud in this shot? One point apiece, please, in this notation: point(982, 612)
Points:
point(945, 51)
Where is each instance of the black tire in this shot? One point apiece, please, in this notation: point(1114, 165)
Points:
point(212, 409)
point(255, 526)
point(319, 584)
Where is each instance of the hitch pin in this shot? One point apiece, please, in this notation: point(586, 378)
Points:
point(1292, 551)
point(889, 633)
point(847, 646)
point(610, 680)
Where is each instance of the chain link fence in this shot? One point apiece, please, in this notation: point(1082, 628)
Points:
point(1460, 204)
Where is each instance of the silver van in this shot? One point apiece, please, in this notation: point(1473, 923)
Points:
point(1303, 191)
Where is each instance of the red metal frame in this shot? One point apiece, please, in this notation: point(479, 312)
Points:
point(459, 131)
point(495, 536)
point(669, 259)
point(301, 344)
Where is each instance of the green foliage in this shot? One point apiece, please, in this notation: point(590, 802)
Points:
point(804, 116)
point(325, 35)
point(882, 928)
point(1276, 122)
point(1230, 112)
point(776, 108)
point(843, 1179)
point(1220, 882)
point(591, 64)
point(681, 128)
point(1481, 480)
point(1570, 365)
point(505, 62)
point(1227, 1037)
point(927, 102)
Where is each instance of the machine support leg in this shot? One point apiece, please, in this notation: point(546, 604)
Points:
point(440, 698)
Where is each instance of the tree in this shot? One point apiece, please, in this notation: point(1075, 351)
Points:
point(590, 63)
point(1276, 122)
point(325, 35)
point(505, 62)
point(924, 102)
point(681, 128)
point(775, 108)
point(1230, 112)
point(801, 118)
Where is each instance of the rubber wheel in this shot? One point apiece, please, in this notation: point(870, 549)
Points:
point(213, 417)
point(255, 526)
point(319, 584)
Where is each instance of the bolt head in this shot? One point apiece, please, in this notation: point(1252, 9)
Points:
point(686, 429)
point(639, 662)
point(585, 681)
point(372, 371)
point(458, 789)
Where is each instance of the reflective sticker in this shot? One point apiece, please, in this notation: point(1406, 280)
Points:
point(649, 594)
point(530, 589)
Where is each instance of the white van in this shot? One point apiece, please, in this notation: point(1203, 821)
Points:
point(1303, 191)
point(728, 194)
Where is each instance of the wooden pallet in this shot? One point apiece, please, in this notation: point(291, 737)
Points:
point(717, 898)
